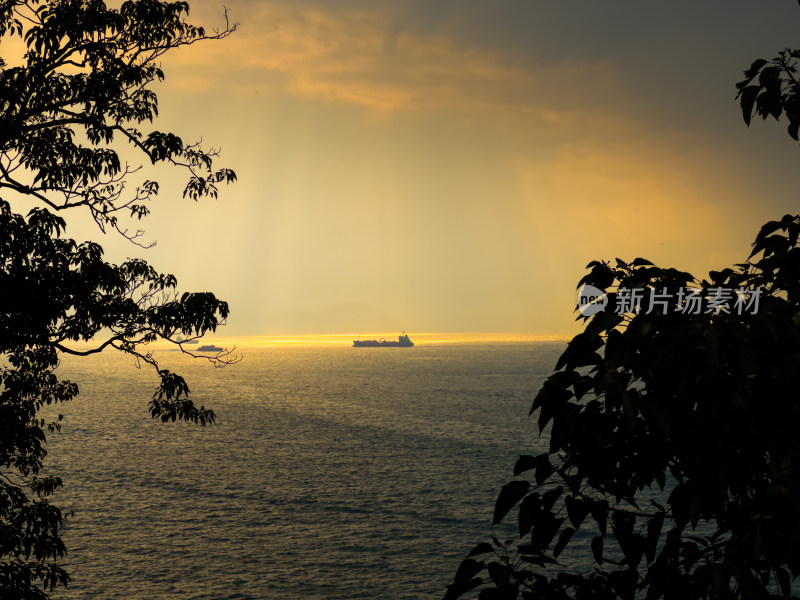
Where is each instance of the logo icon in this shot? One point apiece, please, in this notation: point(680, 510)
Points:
point(591, 300)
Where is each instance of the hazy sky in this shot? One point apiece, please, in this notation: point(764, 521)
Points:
point(454, 165)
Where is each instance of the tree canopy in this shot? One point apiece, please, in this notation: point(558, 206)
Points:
point(673, 464)
point(83, 85)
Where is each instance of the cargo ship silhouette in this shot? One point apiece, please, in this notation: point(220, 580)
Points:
point(403, 341)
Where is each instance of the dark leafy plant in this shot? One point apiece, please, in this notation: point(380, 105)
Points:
point(771, 88)
point(673, 459)
point(83, 85)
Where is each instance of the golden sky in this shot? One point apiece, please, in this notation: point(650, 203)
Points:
point(454, 165)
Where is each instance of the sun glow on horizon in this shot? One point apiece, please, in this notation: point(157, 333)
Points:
point(419, 338)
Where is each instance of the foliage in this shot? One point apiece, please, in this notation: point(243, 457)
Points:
point(673, 443)
point(771, 88)
point(83, 85)
point(87, 74)
point(672, 428)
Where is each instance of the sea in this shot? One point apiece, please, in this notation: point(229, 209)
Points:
point(331, 472)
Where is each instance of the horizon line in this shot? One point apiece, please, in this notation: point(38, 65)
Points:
point(427, 337)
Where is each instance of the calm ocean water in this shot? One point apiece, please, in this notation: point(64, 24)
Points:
point(332, 472)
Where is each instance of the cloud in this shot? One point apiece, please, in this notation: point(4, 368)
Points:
point(367, 59)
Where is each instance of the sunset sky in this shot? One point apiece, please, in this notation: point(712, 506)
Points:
point(454, 165)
